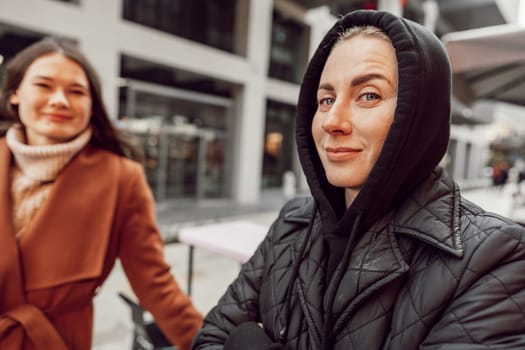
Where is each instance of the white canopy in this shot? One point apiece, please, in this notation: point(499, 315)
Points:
point(488, 63)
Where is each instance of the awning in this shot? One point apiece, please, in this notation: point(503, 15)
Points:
point(488, 64)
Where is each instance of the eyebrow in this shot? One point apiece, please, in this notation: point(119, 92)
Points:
point(357, 81)
point(326, 86)
point(366, 78)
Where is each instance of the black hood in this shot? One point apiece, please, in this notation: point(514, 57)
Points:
point(419, 134)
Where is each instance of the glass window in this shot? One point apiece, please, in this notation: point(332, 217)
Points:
point(180, 121)
point(278, 143)
point(13, 40)
point(183, 144)
point(289, 49)
point(152, 72)
point(210, 22)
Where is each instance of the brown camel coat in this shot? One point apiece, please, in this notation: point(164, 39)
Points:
point(99, 208)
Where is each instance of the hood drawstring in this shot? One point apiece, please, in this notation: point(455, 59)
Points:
point(283, 333)
point(329, 330)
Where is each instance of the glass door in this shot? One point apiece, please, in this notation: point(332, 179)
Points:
point(183, 139)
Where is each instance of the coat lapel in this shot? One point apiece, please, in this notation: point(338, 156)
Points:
point(68, 237)
point(310, 283)
point(11, 287)
point(375, 262)
point(431, 214)
point(6, 233)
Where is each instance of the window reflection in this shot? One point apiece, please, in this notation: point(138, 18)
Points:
point(278, 143)
point(288, 52)
point(210, 22)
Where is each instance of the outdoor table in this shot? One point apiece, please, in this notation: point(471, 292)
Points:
point(234, 239)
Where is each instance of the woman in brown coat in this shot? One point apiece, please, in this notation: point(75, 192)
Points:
point(72, 202)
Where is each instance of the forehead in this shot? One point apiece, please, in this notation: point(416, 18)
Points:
point(363, 52)
point(56, 66)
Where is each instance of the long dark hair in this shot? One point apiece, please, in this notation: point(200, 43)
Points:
point(105, 135)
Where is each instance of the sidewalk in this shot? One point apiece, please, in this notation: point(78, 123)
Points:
point(212, 272)
point(499, 200)
point(172, 215)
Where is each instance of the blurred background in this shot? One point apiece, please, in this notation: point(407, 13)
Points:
point(209, 87)
point(208, 90)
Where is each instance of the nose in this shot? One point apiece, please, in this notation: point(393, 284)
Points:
point(338, 120)
point(59, 99)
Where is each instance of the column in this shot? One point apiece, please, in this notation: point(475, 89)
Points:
point(248, 127)
point(102, 49)
point(105, 58)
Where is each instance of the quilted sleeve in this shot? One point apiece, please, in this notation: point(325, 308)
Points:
point(239, 304)
point(488, 310)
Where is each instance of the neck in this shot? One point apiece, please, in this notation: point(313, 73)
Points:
point(350, 194)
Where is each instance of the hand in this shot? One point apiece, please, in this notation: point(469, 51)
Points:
point(250, 336)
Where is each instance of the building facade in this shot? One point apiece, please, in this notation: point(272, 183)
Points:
point(208, 88)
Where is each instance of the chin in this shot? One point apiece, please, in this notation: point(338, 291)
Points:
point(338, 181)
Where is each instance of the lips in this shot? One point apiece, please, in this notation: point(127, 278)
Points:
point(57, 117)
point(341, 153)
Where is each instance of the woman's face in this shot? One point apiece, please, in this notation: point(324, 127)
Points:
point(357, 97)
point(54, 100)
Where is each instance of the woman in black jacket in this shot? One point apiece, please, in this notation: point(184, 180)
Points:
point(387, 254)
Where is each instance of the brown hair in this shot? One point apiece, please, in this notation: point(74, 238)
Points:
point(105, 134)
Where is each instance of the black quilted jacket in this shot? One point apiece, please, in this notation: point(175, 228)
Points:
point(411, 264)
point(438, 273)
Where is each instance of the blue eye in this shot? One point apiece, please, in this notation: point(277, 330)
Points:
point(370, 96)
point(328, 101)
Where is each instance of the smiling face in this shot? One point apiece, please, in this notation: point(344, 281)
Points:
point(53, 99)
point(357, 97)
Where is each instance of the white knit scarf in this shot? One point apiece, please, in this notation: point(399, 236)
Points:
point(36, 169)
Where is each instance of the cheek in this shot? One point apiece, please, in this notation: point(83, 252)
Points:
point(25, 99)
point(26, 105)
point(387, 125)
point(84, 108)
point(317, 130)
point(383, 132)
point(380, 133)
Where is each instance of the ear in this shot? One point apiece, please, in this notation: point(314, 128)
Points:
point(13, 99)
